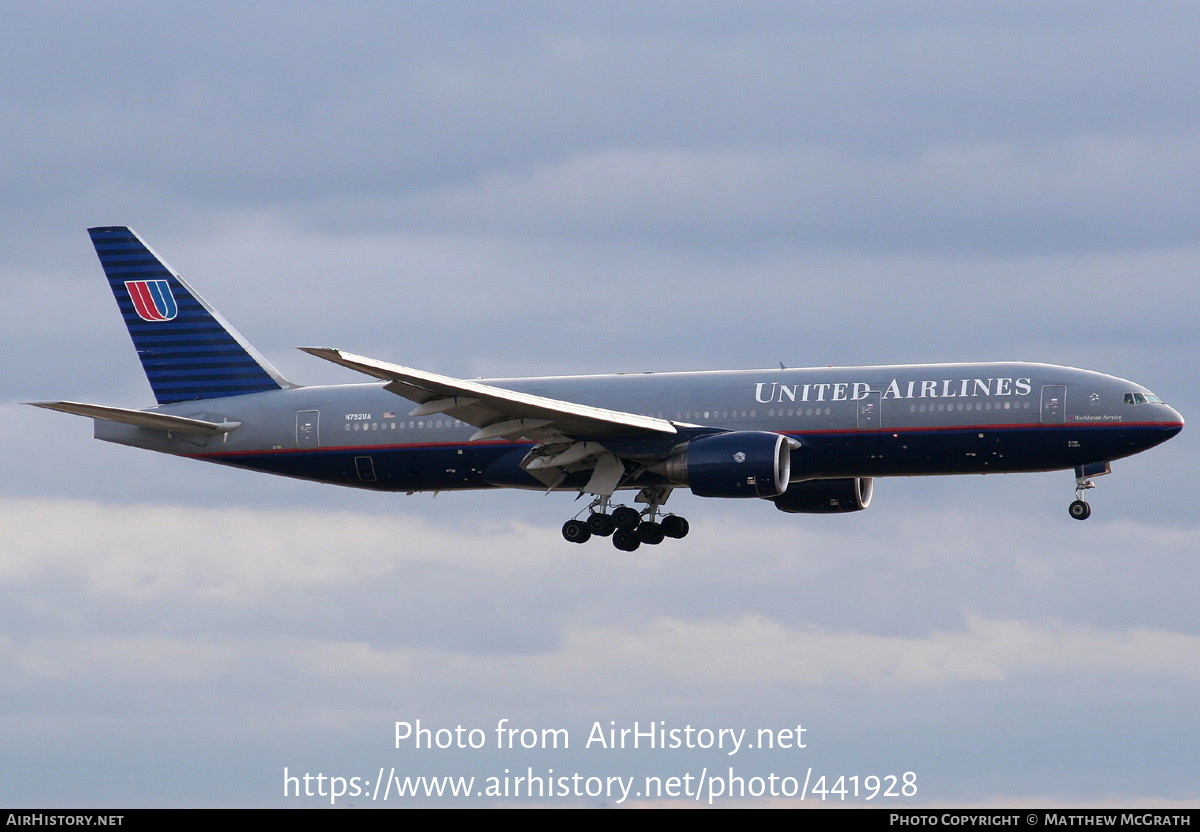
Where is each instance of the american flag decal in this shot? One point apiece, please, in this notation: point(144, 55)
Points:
point(152, 299)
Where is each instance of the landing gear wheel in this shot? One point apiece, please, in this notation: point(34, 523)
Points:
point(1080, 510)
point(600, 525)
point(651, 533)
point(626, 540)
point(674, 526)
point(625, 517)
point(576, 531)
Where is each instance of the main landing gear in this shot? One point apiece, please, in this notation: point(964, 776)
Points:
point(628, 527)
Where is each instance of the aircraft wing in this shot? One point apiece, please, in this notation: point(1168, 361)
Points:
point(497, 412)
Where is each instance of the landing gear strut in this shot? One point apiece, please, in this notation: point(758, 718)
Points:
point(1079, 509)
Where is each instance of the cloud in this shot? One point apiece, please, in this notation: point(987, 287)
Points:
point(708, 659)
point(203, 570)
point(237, 556)
point(1037, 197)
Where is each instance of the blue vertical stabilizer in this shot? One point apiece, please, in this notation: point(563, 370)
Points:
point(187, 350)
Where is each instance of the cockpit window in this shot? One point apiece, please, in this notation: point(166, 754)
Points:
point(1142, 398)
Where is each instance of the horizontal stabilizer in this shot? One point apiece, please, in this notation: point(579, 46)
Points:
point(141, 418)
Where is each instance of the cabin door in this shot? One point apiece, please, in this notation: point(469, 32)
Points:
point(1054, 404)
point(307, 429)
point(869, 408)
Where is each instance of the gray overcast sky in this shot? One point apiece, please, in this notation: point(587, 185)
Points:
point(493, 189)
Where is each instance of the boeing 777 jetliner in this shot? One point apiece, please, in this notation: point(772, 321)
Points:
point(808, 440)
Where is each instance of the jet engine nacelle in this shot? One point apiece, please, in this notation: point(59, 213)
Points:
point(826, 496)
point(743, 463)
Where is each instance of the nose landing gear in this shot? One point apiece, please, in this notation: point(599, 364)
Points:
point(1079, 509)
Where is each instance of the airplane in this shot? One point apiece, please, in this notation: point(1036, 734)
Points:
point(807, 440)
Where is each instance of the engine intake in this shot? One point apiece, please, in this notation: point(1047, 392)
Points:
point(744, 463)
point(826, 496)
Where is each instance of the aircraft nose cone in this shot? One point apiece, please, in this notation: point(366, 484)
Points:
point(1170, 430)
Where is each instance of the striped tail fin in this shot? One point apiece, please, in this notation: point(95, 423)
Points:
point(187, 350)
